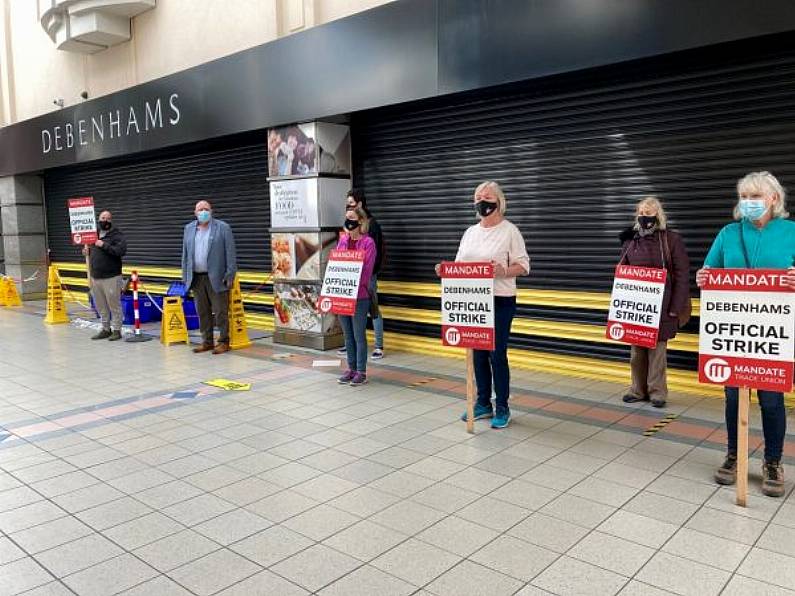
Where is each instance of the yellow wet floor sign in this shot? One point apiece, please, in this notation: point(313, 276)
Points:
point(2, 291)
point(56, 309)
point(172, 327)
point(228, 385)
point(10, 294)
point(238, 332)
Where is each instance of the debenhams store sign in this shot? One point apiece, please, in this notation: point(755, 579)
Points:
point(113, 124)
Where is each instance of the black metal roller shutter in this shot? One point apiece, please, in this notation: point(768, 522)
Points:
point(152, 198)
point(575, 152)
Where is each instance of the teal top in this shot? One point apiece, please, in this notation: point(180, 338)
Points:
point(772, 247)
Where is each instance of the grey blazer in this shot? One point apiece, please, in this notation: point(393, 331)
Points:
point(221, 257)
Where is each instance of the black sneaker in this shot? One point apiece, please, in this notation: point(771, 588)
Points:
point(773, 478)
point(727, 473)
point(632, 399)
point(104, 334)
point(115, 336)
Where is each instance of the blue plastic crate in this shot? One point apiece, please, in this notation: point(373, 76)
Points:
point(146, 310)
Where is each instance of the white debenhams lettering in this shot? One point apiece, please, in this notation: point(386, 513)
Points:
point(123, 121)
point(46, 141)
point(116, 123)
point(100, 130)
point(132, 120)
point(81, 132)
point(155, 118)
point(172, 102)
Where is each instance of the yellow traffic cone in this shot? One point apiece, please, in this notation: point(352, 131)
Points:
point(172, 327)
point(11, 295)
point(56, 309)
point(3, 290)
point(238, 331)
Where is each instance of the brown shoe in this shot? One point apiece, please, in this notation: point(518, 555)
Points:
point(221, 348)
point(773, 478)
point(203, 348)
point(727, 473)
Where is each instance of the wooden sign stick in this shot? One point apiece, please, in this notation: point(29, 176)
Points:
point(742, 445)
point(470, 392)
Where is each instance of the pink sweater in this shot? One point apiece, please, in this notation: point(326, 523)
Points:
point(366, 244)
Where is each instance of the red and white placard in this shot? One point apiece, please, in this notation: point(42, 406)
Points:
point(82, 220)
point(341, 282)
point(747, 324)
point(468, 305)
point(635, 305)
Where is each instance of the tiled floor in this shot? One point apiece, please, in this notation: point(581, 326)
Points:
point(109, 485)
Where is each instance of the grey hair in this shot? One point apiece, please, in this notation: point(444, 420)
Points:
point(766, 183)
point(497, 190)
point(654, 203)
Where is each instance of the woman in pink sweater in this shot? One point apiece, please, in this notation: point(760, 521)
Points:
point(355, 327)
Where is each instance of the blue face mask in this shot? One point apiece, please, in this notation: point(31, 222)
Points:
point(203, 216)
point(752, 209)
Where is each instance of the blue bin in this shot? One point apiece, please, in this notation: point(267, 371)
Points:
point(146, 310)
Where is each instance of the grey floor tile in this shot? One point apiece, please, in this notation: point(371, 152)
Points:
point(9, 551)
point(506, 465)
point(214, 572)
point(59, 485)
point(364, 501)
point(18, 497)
point(316, 567)
point(140, 480)
point(282, 506)
point(683, 576)
point(548, 532)
point(514, 557)
point(143, 530)
point(682, 489)
point(470, 579)
point(264, 583)
point(638, 528)
point(577, 510)
point(445, 497)
point(325, 487)
point(660, 507)
point(160, 497)
point(435, 468)
point(785, 515)
point(769, 567)
point(570, 577)
point(110, 577)
point(247, 491)
point(51, 534)
point(726, 525)
point(552, 477)
point(408, 517)
point(173, 551)
point(493, 513)
point(457, 535)
point(416, 562)
point(272, 545)
point(365, 540)
point(21, 575)
point(78, 555)
point(114, 513)
point(233, 526)
point(636, 588)
point(611, 553)
point(366, 581)
point(402, 484)
point(159, 586)
point(198, 509)
point(745, 586)
point(780, 539)
point(631, 476)
point(321, 522)
point(525, 495)
point(603, 491)
point(289, 474)
point(55, 588)
point(705, 548)
point(86, 498)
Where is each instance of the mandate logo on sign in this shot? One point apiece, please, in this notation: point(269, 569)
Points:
point(635, 305)
point(468, 305)
point(747, 324)
point(341, 282)
point(82, 220)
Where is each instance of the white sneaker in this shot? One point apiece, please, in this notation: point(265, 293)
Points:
point(378, 353)
point(341, 351)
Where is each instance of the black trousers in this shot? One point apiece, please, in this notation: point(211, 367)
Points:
point(212, 308)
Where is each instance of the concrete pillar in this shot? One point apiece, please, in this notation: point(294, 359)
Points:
point(24, 233)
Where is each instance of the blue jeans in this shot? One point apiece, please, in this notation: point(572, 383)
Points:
point(774, 420)
point(355, 330)
point(378, 324)
point(488, 364)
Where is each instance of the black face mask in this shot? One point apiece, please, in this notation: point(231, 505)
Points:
point(484, 208)
point(647, 222)
point(105, 225)
point(351, 224)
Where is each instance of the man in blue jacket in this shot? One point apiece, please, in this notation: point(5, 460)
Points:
point(209, 264)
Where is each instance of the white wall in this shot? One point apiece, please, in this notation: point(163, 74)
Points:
point(176, 35)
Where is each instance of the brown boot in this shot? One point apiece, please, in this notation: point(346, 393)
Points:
point(773, 478)
point(727, 473)
point(221, 348)
point(203, 348)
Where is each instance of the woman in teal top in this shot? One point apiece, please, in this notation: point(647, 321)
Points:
point(763, 238)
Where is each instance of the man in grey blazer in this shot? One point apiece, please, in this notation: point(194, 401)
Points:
point(209, 264)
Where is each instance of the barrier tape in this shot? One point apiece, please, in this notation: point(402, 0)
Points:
point(69, 292)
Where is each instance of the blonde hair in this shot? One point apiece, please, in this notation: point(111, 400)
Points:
point(495, 188)
point(766, 183)
point(364, 221)
point(654, 203)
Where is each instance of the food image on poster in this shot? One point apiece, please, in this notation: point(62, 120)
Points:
point(300, 255)
point(295, 308)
